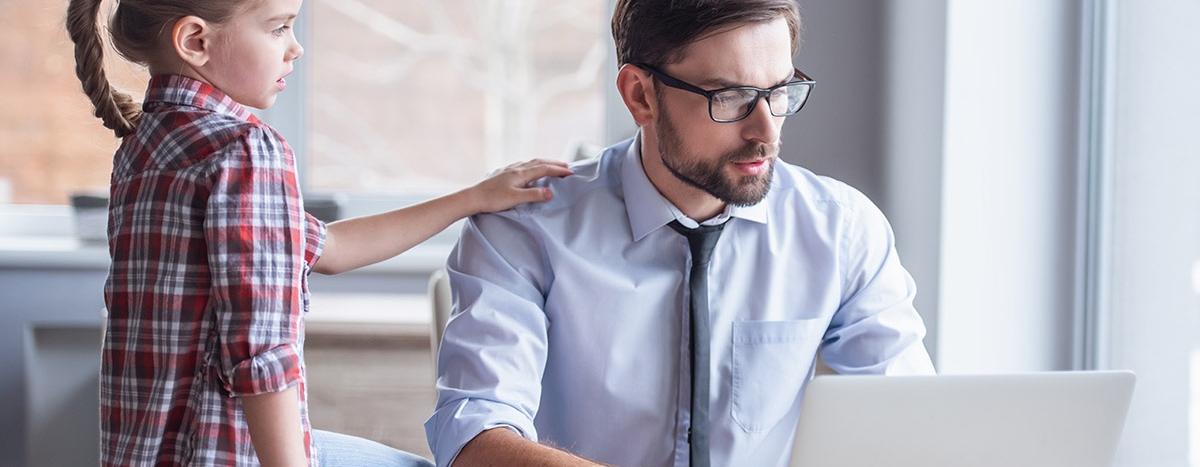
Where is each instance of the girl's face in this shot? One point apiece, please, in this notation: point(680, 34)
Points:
point(254, 51)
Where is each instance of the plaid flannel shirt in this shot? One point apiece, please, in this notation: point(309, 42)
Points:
point(211, 249)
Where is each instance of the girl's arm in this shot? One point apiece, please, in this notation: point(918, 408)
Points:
point(353, 243)
point(273, 419)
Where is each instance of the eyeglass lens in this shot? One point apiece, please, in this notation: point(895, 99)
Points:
point(735, 104)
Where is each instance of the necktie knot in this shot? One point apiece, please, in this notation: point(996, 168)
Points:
point(702, 240)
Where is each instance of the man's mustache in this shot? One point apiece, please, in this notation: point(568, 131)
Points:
point(753, 152)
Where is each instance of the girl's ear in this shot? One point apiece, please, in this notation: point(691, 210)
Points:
point(191, 38)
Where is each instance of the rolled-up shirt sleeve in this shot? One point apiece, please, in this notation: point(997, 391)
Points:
point(255, 230)
point(493, 354)
point(314, 239)
point(876, 329)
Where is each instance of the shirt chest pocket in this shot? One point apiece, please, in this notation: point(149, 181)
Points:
point(771, 361)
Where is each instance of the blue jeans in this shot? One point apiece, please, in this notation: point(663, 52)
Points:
point(338, 450)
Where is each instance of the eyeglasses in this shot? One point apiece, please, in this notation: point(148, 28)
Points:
point(727, 105)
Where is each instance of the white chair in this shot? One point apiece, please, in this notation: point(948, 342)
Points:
point(103, 325)
point(440, 301)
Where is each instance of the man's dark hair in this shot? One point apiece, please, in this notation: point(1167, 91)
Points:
point(655, 32)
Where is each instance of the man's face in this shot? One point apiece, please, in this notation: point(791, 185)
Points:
point(734, 161)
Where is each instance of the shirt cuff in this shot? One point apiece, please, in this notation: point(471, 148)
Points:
point(454, 425)
point(272, 371)
point(314, 240)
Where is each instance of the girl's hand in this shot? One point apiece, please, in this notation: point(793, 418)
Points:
point(509, 186)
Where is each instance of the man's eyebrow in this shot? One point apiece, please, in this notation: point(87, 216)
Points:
point(719, 83)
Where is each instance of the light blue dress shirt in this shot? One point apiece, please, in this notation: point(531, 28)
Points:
point(570, 317)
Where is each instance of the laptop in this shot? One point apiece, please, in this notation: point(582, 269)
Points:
point(1055, 419)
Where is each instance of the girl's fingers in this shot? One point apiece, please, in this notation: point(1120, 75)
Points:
point(534, 195)
point(529, 174)
point(523, 167)
point(533, 162)
point(550, 161)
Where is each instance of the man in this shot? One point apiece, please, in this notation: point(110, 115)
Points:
point(666, 307)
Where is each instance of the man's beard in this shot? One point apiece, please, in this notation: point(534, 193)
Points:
point(746, 190)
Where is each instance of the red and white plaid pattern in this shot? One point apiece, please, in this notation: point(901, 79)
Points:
point(211, 249)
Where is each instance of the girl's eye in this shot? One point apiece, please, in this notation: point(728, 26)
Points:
point(282, 29)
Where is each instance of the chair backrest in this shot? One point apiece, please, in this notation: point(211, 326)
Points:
point(440, 301)
point(103, 326)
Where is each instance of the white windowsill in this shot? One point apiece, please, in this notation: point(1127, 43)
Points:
point(43, 237)
point(370, 314)
point(62, 252)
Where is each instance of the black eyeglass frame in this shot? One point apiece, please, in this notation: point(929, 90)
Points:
point(800, 78)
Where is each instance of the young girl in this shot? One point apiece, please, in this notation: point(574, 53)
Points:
point(203, 361)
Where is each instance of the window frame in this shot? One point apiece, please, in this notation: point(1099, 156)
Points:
point(1093, 209)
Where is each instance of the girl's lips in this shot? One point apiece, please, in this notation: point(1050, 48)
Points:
point(281, 83)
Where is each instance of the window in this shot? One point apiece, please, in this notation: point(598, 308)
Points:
point(402, 99)
point(52, 145)
point(416, 98)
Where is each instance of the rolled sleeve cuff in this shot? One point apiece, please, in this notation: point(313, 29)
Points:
point(314, 240)
point(272, 371)
point(454, 425)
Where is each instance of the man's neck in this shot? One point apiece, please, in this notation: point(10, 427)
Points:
point(693, 202)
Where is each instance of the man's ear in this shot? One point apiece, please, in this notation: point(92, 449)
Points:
point(637, 91)
point(191, 38)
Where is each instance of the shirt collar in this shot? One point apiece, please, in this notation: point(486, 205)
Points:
point(648, 209)
point(182, 90)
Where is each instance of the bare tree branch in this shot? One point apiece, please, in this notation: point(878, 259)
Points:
point(584, 75)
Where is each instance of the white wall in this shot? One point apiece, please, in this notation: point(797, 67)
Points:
point(839, 132)
point(914, 86)
point(989, 208)
point(1008, 215)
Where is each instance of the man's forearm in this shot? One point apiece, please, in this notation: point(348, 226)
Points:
point(500, 447)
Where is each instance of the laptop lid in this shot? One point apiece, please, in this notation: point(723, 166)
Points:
point(1054, 419)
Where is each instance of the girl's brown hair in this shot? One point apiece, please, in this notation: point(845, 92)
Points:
point(137, 30)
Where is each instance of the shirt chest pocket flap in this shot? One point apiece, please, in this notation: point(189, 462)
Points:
point(771, 361)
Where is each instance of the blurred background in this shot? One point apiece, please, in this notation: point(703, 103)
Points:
point(1039, 162)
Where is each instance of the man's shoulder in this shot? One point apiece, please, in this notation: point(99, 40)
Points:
point(798, 187)
point(593, 179)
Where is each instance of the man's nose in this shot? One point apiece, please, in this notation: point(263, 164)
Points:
point(760, 126)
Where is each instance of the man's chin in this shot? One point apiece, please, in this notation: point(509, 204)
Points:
point(748, 189)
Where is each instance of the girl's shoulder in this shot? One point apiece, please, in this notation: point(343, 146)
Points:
point(184, 137)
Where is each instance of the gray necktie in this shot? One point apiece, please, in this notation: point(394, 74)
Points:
point(702, 240)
